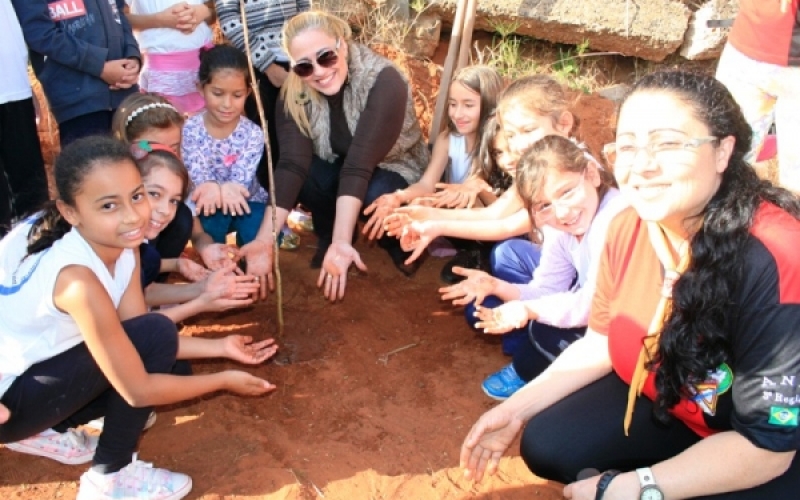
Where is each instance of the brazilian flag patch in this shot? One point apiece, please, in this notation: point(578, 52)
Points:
point(785, 417)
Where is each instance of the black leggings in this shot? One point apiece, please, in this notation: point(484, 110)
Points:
point(23, 182)
point(320, 192)
point(584, 430)
point(269, 98)
point(69, 389)
point(543, 345)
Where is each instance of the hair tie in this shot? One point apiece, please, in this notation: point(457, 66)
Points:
point(147, 107)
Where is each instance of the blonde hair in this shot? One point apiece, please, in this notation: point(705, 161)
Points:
point(539, 94)
point(294, 92)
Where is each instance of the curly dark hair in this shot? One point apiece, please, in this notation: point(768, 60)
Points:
point(696, 334)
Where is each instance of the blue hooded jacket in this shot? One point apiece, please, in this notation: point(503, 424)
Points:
point(69, 42)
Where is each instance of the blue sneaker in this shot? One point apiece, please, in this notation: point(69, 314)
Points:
point(501, 385)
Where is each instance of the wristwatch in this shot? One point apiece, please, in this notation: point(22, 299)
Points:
point(650, 490)
point(603, 483)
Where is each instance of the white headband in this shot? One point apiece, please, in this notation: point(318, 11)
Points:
point(586, 153)
point(146, 107)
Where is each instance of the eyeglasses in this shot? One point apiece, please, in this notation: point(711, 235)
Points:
point(326, 58)
point(660, 147)
point(140, 149)
point(545, 210)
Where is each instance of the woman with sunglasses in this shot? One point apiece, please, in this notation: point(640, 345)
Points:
point(348, 134)
point(686, 382)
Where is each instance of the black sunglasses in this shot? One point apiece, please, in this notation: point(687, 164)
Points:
point(325, 59)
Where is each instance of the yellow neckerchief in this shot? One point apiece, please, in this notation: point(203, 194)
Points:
point(672, 272)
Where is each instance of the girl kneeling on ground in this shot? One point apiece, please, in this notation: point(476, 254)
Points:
point(571, 200)
point(74, 329)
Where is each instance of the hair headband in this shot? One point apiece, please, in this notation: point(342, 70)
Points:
point(147, 107)
point(141, 149)
point(586, 153)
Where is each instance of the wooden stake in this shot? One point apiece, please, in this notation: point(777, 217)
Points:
point(447, 74)
point(271, 176)
point(466, 34)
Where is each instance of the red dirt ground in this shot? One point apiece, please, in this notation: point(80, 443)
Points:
point(349, 420)
point(375, 394)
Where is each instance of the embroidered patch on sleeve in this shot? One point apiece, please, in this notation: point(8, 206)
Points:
point(785, 417)
point(705, 393)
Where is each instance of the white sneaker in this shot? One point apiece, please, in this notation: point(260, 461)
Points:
point(98, 423)
point(72, 447)
point(137, 480)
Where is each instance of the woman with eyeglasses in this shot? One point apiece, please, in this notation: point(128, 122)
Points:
point(686, 382)
point(348, 133)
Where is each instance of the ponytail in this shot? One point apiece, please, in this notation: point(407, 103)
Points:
point(47, 229)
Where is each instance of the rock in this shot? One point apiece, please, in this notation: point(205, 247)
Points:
point(397, 8)
point(649, 29)
point(424, 34)
point(355, 12)
point(615, 92)
point(702, 41)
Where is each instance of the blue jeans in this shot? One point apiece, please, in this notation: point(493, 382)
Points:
point(246, 226)
point(513, 261)
point(69, 389)
point(97, 123)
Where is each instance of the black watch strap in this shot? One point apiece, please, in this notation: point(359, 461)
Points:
point(604, 481)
